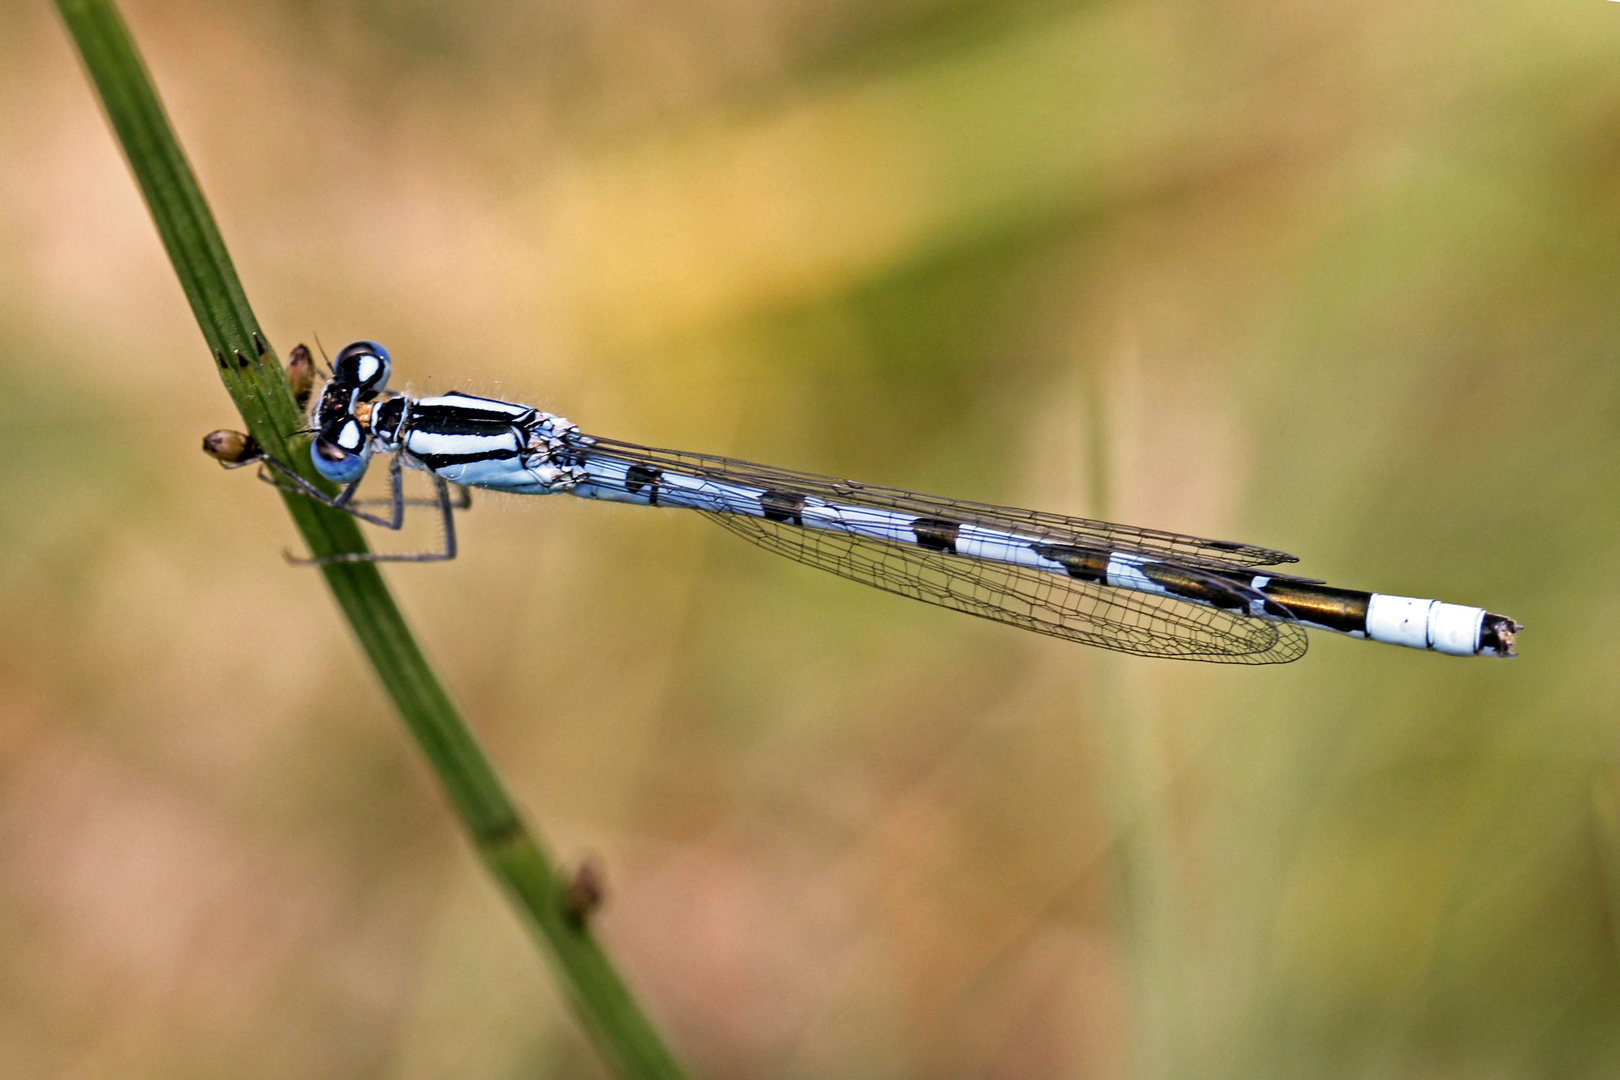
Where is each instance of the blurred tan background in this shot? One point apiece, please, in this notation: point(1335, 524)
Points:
point(1340, 279)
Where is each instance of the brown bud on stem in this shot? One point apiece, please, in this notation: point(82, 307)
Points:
point(231, 447)
point(301, 374)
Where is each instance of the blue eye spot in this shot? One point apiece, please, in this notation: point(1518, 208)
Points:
point(336, 462)
point(337, 465)
point(363, 366)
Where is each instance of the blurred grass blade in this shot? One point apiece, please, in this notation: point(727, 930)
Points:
point(254, 378)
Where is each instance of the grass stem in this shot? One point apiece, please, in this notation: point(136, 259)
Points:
point(254, 378)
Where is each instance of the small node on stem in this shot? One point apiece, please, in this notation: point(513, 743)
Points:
point(301, 374)
point(231, 448)
point(584, 891)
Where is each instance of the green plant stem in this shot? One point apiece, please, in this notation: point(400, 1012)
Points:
point(254, 378)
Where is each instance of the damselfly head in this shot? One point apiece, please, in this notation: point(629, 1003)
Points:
point(341, 450)
point(362, 367)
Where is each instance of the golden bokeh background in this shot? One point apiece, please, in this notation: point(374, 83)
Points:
point(1340, 279)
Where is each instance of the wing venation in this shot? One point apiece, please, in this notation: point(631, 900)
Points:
point(1048, 603)
point(1037, 525)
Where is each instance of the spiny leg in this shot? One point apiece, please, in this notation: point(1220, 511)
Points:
point(460, 499)
point(447, 508)
point(233, 450)
point(287, 480)
point(236, 450)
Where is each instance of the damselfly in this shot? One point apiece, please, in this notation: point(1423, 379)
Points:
point(1134, 590)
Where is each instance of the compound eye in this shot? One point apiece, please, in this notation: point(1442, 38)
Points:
point(362, 366)
point(340, 452)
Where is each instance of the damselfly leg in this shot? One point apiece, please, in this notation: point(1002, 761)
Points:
point(234, 450)
point(446, 502)
point(447, 505)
